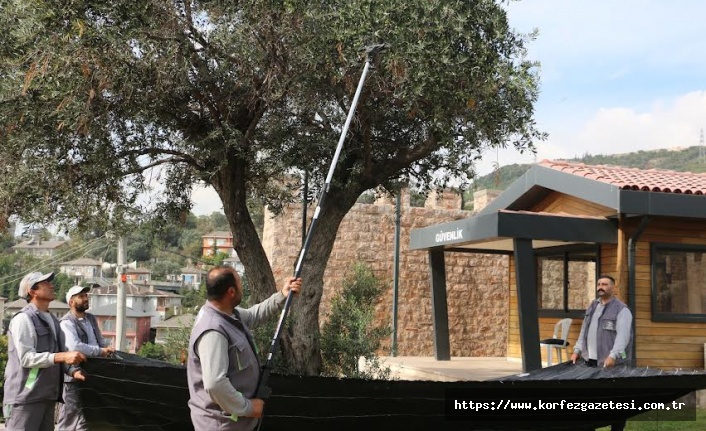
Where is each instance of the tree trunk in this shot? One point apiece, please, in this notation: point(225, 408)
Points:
point(230, 186)
point(301, 341)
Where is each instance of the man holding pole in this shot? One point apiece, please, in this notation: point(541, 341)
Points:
point(223, 368)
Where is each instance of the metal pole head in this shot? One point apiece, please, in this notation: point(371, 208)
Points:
point(372, 50)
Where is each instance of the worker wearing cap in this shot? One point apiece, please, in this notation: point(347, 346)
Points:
point(35, 359)
point(81, 333)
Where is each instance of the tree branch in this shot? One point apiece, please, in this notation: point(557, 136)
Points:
point(403, 158)
point(160, 162)
point(152, 151)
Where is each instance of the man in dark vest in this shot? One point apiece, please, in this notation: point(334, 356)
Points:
point(81, 333)
point(606, 334)
point(35, 359)
point(223, 367)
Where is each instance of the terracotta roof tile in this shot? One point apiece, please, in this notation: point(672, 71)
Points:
point(654, 180)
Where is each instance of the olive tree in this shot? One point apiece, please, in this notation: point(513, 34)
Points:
point(104, 102)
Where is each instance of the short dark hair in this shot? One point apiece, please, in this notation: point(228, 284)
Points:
point(218, 280)
point(612, 280)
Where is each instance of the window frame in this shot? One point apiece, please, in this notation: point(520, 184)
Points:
point(564, 251)
point(660, 316)
point(106, 323)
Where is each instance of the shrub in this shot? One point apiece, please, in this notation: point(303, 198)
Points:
point(176, 345)
point(349, 332)
point(152, 351)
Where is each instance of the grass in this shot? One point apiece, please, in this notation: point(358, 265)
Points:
point(698, 425)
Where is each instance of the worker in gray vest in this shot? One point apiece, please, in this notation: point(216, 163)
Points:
point(81, 333)
point(36, 359)
point(606, 334)
point(223, 367)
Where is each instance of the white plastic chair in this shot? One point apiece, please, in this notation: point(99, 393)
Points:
point(558, 341)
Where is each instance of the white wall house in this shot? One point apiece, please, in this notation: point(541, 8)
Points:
point(158, 304)
point(39, 248)
point(83, 269)
point(192, 277)
point(235, 263)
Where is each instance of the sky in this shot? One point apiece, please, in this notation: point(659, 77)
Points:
point(616, 76)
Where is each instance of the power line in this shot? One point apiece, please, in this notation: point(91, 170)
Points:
point(53, 260)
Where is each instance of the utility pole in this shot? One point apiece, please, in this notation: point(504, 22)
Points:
point(120, 312)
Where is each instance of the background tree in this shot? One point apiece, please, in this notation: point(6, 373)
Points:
point(193, 299)
point(348, 333)
point(13, 267)
point(161, 268)
point(152, 351)
point(101, 102)
point(62, 284)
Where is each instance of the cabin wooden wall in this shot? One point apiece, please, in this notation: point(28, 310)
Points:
point(664, 345)
point(560, 203)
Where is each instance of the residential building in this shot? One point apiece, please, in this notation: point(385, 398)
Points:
point(39, 248)
point(166, 286)
point(138, 275)
point(175, 323)
point(137, 325)
point(82, 269)
point(57, 308)
point(235, 263)
point(219, 241)
point(192, 276)
point(158, 304)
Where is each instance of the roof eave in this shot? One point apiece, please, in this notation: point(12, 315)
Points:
point(526, 190)
point(477, 232)
point(635, 202)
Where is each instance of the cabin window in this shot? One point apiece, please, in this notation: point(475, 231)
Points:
point(678, 283)
point(566, 280)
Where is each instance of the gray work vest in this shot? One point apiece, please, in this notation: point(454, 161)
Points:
point(243, 371)
point(606, 332)
point(30, 385)
point(81, 332)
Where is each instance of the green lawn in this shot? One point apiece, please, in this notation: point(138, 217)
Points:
point(698, 425)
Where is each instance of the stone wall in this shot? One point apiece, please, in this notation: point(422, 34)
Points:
point(477, 289)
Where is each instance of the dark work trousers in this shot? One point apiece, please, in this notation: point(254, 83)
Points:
point(70, 412)
point(30, 417)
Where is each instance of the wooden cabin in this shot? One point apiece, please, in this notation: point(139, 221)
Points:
point(563, 224)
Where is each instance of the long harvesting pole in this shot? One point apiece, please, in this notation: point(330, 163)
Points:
point(263, 391)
